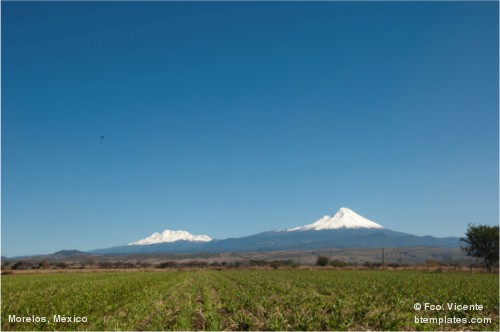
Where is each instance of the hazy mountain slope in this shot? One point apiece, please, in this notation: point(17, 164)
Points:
point(345, 229)
point(272, 241)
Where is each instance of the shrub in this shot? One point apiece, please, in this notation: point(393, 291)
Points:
point(105, 265)
point(44, 265)
point(169, 264)
point(338, 263)
point(322, 261)
point(62, 265)
point(22, 265)
point(276, 264)
point(258, 262)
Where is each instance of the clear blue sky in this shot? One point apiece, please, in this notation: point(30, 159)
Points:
point(229, 119)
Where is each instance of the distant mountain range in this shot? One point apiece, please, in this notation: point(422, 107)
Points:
point(345, 229)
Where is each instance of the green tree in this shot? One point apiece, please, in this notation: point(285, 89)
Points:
point(322, 261)
point(482, 243)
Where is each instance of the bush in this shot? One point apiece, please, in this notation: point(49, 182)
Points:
point(169, 264)
point(44, 265)
point(62, 265)
point(338, 263)
point(6, 265)
point(432, 262)
point(22, 265)
point(276, 264)
point(322, 261)
point(235, 265)
point(105, 265)
point(258, 262)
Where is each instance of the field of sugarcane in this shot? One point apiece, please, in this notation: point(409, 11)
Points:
point(249, 300)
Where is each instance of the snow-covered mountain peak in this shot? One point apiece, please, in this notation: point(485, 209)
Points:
point(345, 210)
point(172, 236)
point(344, 218)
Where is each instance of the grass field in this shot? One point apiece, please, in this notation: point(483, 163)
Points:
point(248, 300)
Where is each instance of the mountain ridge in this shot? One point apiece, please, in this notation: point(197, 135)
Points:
point(343, 218)
point(345, 229)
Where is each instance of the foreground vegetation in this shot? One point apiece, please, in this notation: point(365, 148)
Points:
point(247, 300)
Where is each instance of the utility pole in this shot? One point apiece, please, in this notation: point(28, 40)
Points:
point(383, 259)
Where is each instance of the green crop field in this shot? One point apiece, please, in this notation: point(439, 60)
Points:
point(249, 300)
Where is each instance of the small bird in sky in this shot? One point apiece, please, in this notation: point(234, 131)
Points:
point(102, 137)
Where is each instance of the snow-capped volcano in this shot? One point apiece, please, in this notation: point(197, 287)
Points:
point(346, 229)
point(172, 236)
point(344, 218)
